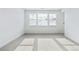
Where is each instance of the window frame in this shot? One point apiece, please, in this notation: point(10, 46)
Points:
point(47, 18)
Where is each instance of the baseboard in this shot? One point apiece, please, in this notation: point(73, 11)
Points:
point(11, 39)
point(72, 40)
point(43, 33)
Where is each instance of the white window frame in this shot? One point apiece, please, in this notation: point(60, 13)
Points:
point(47, 18)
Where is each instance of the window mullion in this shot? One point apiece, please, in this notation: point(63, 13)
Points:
point(36, 19)
point(48, 19)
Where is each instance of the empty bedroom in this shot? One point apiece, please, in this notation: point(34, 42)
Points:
point(39, 29)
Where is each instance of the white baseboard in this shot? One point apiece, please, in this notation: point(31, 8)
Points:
point(11, 39)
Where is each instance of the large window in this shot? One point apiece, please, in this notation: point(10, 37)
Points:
point(42, 19)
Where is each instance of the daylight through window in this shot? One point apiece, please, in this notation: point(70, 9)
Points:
point(42, 19)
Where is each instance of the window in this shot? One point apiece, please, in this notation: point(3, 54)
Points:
point(32, 19)
point(52, 19)
point(42, 19)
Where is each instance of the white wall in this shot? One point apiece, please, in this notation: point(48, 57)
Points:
point(72, 24)
point(11, 24)
point(47, 29)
